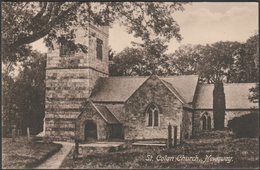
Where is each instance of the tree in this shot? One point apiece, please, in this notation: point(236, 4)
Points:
point(186, 58)
point(30, 93)
point(217, 59)
point(128, 62)
point(24, 96)
point(8, 105)
point(252, 58)
point(219, 106)
point(214, 63)
point(156, 62)
point(222, 61)
point(245, 65)
point(27, 22)
point(253, 51)
point(141, 61)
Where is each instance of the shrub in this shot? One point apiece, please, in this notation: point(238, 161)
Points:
point(245, 126)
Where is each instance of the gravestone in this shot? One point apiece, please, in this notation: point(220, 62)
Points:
point(169, 141)
point(175, 136)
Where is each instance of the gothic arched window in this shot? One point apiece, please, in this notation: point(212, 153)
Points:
point(209, 123)
point(206, 121)
point(152, 113)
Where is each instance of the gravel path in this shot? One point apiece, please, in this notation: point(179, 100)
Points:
point(55, 161)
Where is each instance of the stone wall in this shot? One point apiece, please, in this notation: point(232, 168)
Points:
point(65, 91)
point(94, 62)
point(198, 121)
point(70, 80)
point(80, 59)
point(229, 115)
point(135, 119)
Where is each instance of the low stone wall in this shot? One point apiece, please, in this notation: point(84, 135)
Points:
point(87, 149)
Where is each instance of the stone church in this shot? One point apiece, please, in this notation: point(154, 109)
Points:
point(128, 108)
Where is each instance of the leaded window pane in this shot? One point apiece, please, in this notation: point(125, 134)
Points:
point(155, 118)
point(153, 115)
point(150, 119)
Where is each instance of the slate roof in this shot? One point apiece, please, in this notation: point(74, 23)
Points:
point(236, 95)
point(119, 89)
point(116, 89)
point(185, 85)
point(106, 114)
point(174, 91)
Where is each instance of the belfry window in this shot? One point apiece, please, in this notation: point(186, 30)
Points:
point(152, 113)
point(66, 49)
point(99, 49)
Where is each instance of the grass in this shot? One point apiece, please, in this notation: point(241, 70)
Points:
point(243, 151)
point(24, 154)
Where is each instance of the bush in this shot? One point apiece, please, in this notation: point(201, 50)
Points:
point(245, 126)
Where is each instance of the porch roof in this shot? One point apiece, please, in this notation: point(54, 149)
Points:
point(106, 114)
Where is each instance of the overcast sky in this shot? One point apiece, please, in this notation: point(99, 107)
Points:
point(200, 23)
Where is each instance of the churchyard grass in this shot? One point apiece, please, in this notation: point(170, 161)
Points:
point(214, 150)
point(23, 154)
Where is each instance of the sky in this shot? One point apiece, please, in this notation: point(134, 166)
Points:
point(200, 23)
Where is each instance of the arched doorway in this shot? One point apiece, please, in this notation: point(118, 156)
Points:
point(90, 130)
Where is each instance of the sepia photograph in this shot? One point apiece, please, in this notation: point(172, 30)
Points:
point(130, 85)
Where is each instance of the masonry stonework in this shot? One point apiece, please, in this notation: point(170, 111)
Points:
point(135, 120)
point(197, 124)
point(70, 80)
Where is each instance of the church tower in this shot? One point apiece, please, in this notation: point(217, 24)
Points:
point(70, 78)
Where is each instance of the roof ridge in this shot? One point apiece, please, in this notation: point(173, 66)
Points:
point(138, 87)
point(179, 76)
point(227, 84)
point(149, 76)
point(238, 83)
point(102, 114)
point(174, 90)
point(126, 77)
